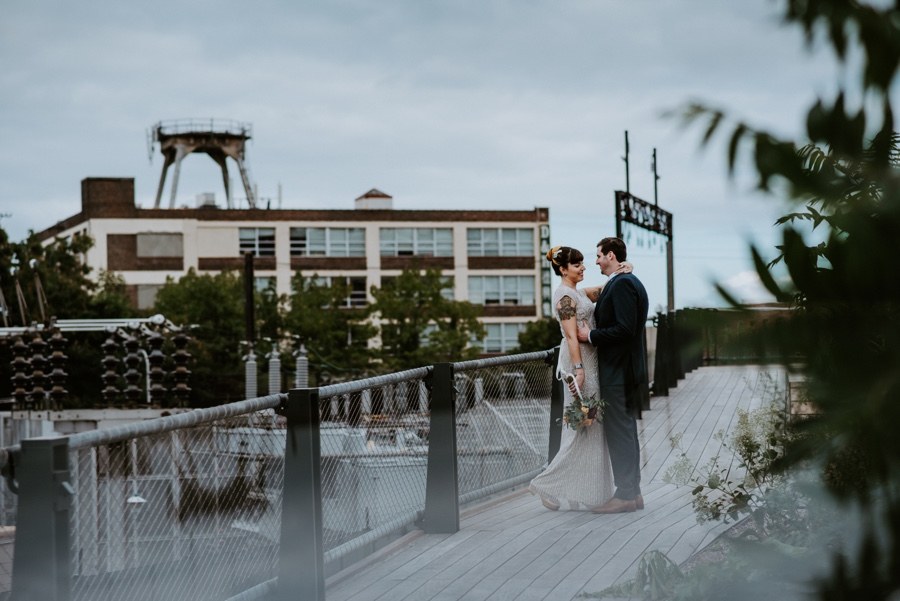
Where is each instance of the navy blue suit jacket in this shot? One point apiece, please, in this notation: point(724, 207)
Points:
point(619, 334)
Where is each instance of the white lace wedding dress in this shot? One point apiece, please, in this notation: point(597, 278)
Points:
point(581, 473)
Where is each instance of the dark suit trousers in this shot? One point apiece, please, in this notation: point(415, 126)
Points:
point(620, 427)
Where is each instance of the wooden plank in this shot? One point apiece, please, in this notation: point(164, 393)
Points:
point(482, 548)
point(384, 575)
point(679, 414)
point(690, 540)
point(483, 512)
point(699, 427)
point(600, 557)
point(556, 544)
point(596, 548)
point(664, 541)
point(513, 548)
point(520, 566)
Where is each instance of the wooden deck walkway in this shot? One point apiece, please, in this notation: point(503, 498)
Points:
point(513, 548)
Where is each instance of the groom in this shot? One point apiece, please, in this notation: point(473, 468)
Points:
point(619, 336)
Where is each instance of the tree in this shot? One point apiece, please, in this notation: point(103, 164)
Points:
point(845, 178)
point(335, 335)
point(419, 326)
point(539, 335)
point(212, 306)
point(68, 293)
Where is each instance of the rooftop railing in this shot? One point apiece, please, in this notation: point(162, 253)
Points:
point(173, 127)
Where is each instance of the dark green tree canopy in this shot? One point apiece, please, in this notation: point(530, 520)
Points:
point(69, 293)
point(539, 335)
point(68, 290)
point(335, 335)
point(419, 326)
point(212, 307)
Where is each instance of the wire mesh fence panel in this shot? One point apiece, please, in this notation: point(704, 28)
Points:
point(374, 446)
point(8, 507)
point(14, 429)
point(193, 513)
point(502, 420)
point(7, 545)
point(9, 502)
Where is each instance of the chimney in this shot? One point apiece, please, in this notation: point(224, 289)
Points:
point(107, 196)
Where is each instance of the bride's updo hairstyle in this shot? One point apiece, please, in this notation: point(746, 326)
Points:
point(563, 256)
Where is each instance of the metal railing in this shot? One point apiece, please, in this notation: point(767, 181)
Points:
point(268, 496)
point(689, 338)
point(173, 127)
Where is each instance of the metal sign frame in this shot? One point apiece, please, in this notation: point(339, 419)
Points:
point(631, 209)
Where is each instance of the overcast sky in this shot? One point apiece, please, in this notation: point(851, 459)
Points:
point(442, 104)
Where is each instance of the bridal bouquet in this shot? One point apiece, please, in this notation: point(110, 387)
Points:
point(583, 411)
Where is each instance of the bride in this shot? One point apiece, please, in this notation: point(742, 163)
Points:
point(581, 473)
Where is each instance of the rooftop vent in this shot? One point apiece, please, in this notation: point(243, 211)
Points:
point(375, 199)
point(206, 200)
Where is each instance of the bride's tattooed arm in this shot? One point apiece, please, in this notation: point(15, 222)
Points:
point(566, 308)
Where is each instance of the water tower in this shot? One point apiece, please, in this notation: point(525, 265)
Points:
point(219, 138)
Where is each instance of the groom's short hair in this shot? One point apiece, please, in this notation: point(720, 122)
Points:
point(616, 245)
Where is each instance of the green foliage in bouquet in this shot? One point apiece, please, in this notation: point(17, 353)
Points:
point(583, 412)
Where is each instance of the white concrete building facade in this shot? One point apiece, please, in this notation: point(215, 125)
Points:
point(492, 258)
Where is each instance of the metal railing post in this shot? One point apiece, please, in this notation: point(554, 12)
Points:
point(672, 358)
point(42, 568)
point(678, 327)
point(441, 485)
point(557, 401)
point(661, 365)
point(301, 563)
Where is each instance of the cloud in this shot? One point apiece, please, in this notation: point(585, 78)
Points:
point(747, 288)
point(492, 104)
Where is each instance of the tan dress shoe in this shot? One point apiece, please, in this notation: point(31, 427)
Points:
point(615, 505)
point(639, 502)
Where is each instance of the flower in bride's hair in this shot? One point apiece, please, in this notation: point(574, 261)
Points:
point(553, 254)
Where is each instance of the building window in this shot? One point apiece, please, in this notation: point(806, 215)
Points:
point(258, 240)
point(146, 295)
point(502, 337)
point(501, 289)
point(500, 242)
point(328, 242)
point(356, 286)
point(423, 241)
point(264, 284)
point(447, 282)
point(160, 245)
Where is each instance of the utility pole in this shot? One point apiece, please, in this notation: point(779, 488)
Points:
point(670, 256)
point(655, 179)
point(250, 383)
point(619, 232)
point(633, 210)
